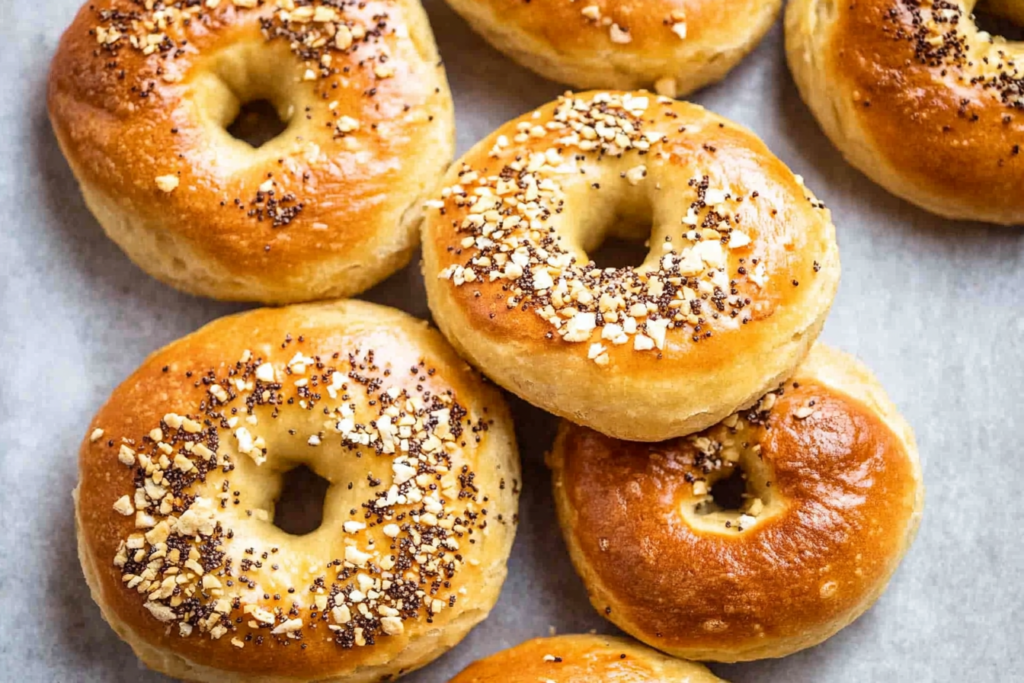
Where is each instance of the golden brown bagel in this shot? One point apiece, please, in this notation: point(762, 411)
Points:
point(916, 97)
point(418, 520)
point(741, 272)
point(832, 497)
point(583, 659)
point(676, 46)
point(140, 100)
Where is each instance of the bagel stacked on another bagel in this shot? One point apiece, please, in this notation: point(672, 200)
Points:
point(918, 98)
point(673, 46)
point(742, 268)
point(761, 536)
point(141, 94)
point(181, 468)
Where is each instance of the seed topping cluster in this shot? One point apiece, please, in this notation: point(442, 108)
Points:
point(936, 29)
point(723, 446)
point(331, 39)
point(621, 35)
point(317, 31)
point(180, 558)
point(314, 29)
point(508, 219)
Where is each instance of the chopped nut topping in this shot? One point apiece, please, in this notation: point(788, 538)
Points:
point(666, 86)
point(619, 35)
point(123, 506)
point(636, 174)
point(347, 124)
point(265, 372)
point(755, 507)
point(167, 183)
point(803, 412)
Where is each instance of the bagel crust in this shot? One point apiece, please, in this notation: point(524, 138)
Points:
point(741, 272)
point(181, 469)
point(917, 98)
point(140, 98)
point(675, 46)
point(832, 500)
point(583, 659)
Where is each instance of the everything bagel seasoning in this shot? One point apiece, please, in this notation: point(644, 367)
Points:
point(505, 216)
point(181, 560)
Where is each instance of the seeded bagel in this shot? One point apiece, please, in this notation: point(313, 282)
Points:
point(180, 473)
point(741, 272)
point(764, 535)
point(141, 95)
point(917, 97)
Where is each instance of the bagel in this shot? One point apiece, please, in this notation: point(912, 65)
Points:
point(741, 272)
point(140, 98)
point(181, 468)
point(583, 659)
point(762, 536)
point(675, 46)
point(918, 98)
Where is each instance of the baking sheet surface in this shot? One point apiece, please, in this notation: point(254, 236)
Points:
point(934, 307)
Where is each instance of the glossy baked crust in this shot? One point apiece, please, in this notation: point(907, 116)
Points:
point(675, 45)
point(833, 500)
point(583, 659)
point(741, 272)
point(916, 97)
point(326, 209)
point(436, 562)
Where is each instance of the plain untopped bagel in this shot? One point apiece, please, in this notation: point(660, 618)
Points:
point(918, 98)
point(583, 659)
point(141, 94)
point(180, 472)
point(741, 270)
point(674, 46)
point(761, 536)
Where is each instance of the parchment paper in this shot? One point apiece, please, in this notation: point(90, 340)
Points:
point(933, 307)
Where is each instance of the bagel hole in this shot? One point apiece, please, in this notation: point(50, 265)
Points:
point(299, 508)
point(617, 252)
point(257, 123)
point(617, 232)
point(728, 494)
point(993, 23)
